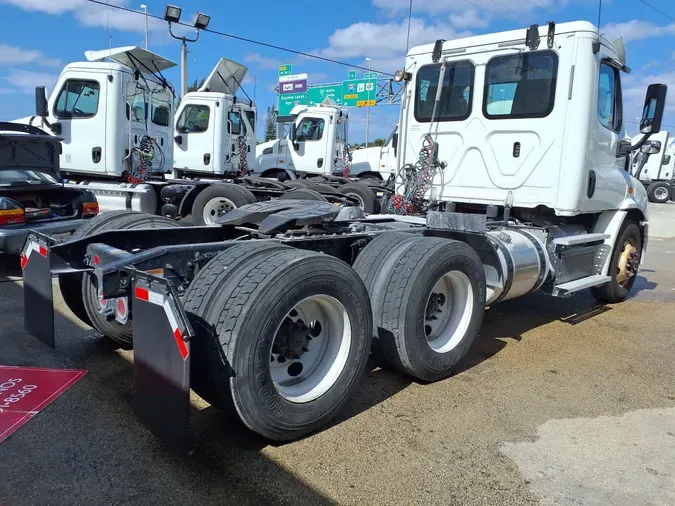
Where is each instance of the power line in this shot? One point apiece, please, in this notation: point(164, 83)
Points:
point(657, 10)
point(243, 39)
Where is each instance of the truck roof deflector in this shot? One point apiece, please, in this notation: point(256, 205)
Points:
point(226, 77)
point(132, 56)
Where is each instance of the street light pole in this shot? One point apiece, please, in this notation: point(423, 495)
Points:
point(201, 22)
point(145, 9)
point(368, 104)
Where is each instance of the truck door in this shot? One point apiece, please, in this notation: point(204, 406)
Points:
point(250, 125)
point(194, 144)
point(78, 104)
point(235, 129)
point(309, 152)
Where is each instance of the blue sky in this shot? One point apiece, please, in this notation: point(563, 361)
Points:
point(348, 30)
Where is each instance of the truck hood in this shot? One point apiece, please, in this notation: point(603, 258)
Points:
point(226, 77)
point(27, 147)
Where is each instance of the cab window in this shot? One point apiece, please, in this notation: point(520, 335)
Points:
point(194, 119)
point(77, 99)
point(309, 129)
point(250, 116)
point(234, 124)
point(456, 94)
point(610, 106)
point(520, 85)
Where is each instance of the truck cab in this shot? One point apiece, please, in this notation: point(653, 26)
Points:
point(213, 127)
point(535, 122)
point(376, 162)
point(654, 168)
point(315, 144)
point(111, 112)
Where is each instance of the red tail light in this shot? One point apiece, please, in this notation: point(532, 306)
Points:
point(12, 216)
point(89, 209)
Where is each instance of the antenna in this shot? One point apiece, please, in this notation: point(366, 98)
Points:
point(599, 16)
point(107, 27)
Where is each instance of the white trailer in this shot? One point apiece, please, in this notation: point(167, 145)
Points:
point(513, 177)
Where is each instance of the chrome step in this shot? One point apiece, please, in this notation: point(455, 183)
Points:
point(576, 240)
point(579, 284)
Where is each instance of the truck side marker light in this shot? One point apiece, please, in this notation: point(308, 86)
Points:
point(158, 300)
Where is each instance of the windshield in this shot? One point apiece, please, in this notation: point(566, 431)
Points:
point(19, 177)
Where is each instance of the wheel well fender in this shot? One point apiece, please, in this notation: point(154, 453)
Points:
point(185, 207)
point(274, 172)
point(610, 223)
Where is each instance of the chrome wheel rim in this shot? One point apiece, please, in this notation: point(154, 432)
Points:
point(448, 311)
point(310, 348)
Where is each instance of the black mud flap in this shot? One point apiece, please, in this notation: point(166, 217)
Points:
point(161, 361)
point(38, 299)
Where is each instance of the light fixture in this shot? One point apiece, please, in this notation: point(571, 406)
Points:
point(402, 75)
point(201, 21)
point(172, 13)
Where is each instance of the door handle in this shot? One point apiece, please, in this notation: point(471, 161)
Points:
point(207, 158)
point(96, 154)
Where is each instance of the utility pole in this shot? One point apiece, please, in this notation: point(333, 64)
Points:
point(368, 103)
point(145, 8)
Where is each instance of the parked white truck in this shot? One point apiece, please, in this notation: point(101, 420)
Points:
point(378, 162)
point(654, 167)
point(271, 315)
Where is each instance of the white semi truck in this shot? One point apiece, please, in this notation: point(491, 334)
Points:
point(271, 316)
point(379, 162)
point(121, 140)
point(654, 168)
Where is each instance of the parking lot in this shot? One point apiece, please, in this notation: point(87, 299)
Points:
point(561, 401)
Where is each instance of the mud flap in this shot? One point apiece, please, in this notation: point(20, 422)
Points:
point(38, 298)
point(161, 361)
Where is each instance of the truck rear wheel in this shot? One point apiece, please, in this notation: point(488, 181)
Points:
point(218, 199)
point(121, 333)
point(659, 193)
point(286, 337)
point(623, 266)
point(428, 298)
point(71, 284)
point(362, 194)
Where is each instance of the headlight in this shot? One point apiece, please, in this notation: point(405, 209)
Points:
point(399, 75)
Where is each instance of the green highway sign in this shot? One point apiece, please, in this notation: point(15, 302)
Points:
point(359, 92)
point(285, 70)
point(288, 101)
point(317, 95)
point(352, 74)
point(370, 75)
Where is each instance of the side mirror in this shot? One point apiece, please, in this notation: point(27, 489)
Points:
point(292, 134)
point(41, 108)
point(652, 112)
point(178, 139)
point(651, 148)
point(666, 160)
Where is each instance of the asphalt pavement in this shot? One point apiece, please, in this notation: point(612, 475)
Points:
point(562, 401)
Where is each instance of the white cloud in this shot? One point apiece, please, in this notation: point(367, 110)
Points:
point(98, 16)
point(11, 55)
point(469, 19)
point(25, 81)
point(636, 29)
point(385, 43)
point(262, 62)
point(635, 87)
